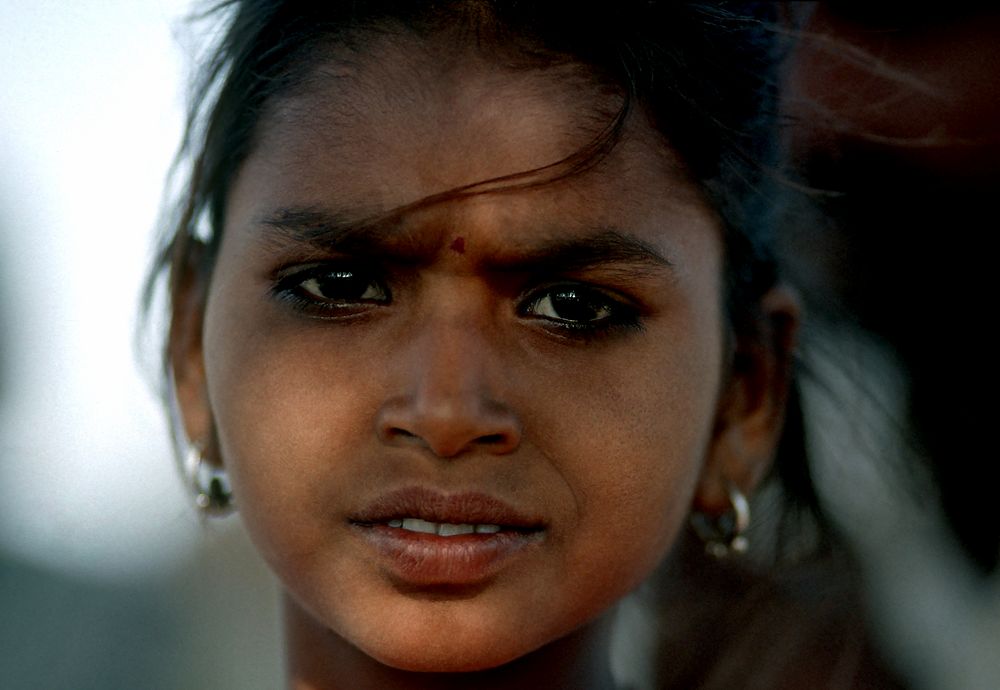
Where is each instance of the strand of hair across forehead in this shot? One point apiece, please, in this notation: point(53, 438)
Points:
point(578, 162)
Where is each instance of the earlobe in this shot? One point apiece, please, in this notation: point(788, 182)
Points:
point(751, 409)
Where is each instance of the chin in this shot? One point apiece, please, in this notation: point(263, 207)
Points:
point(448, 661)
point(451, 653)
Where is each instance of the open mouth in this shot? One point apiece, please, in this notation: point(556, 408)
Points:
point(442, 529)
point(429, 538)
point(449, 529)
point(426, 511)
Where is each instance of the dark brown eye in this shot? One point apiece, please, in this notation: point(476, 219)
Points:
point(572, 305)
point(347, 286)
point(581, 311)
point(332, 290)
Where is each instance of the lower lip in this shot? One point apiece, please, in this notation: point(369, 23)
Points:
point(419, 559)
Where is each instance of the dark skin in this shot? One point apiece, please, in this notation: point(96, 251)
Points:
point(578, 660)
point(560, 349)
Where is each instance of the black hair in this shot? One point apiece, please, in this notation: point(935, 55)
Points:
point(705, 73)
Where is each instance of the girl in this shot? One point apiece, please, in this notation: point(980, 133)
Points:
point(474, 305)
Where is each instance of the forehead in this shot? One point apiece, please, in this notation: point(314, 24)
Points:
point(406, 118)
point(404, 98)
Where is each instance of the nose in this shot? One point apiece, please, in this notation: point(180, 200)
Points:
point(444, 402)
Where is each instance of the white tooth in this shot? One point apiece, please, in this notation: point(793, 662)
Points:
point(418, 525)
point(395, 523)
point(487, 529)
point(446, 529)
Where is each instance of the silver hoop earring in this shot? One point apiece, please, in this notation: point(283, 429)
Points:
point(212, 492)
point(724, 534)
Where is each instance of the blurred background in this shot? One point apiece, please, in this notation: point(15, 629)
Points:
point(91, 113)
point(894, 126)
point(109, 580)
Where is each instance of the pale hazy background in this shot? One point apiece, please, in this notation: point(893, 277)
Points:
point(107, 578)
point(91, 113)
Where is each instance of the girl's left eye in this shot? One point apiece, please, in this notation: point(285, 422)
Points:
point(333, 288)
point(580, 308)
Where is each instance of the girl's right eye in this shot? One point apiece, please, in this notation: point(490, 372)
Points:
point(331, 290)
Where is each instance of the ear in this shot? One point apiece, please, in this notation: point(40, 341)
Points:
point(751, 410)
point(184, 349)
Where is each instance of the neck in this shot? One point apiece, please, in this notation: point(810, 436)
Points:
point(319, 659)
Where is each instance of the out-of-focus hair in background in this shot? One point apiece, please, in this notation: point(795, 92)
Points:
point(108, 580)
point(894, 128)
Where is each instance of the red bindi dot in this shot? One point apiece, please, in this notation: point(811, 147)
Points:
point(458, 246)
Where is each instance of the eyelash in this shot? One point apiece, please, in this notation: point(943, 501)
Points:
point(612, 314)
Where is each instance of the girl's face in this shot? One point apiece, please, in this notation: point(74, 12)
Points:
point(533, 374)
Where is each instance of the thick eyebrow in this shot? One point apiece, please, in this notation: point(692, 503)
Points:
point(604, 247)
point(325, 230)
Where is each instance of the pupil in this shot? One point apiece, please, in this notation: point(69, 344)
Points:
point(341, 285)
point(570, 306)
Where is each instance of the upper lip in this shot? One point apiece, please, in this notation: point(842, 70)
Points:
point(436, 506)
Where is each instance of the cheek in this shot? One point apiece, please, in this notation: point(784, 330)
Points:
point(287, 412)
point(629, 435)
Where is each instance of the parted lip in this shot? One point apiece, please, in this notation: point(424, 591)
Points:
point(468, 507)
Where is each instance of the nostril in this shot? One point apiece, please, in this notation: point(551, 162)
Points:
point(492, 439)
point(397, 434)
point(448, 428)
